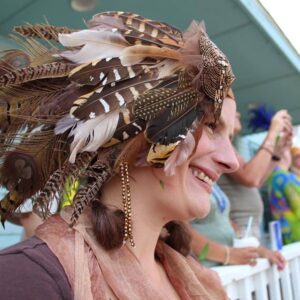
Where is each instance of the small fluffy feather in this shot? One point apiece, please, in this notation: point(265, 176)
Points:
point(180, 154)
point(96, 45)
point(92, 134)
point(65, 124)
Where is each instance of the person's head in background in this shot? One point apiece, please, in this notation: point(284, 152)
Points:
point(295, 155)
point(237, 123)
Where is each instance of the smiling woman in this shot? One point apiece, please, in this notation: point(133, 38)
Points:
point(144, 114)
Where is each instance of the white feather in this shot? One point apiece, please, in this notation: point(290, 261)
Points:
point(96, 45)
point(180, 154)
point(64, 124)
point(90, 135)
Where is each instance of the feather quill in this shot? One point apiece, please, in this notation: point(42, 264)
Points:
point(135, 54)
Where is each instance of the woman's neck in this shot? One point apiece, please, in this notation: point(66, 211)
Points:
point(147, 220)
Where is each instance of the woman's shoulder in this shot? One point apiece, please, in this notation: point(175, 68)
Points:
point(30, 270)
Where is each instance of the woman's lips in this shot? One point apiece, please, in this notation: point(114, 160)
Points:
point(203, 178)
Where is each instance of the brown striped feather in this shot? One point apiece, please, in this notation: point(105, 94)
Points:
point(55, 69)
point(56, 182)
point(104, 72)
point(167, 34)
point(128, 126)
point(43, 31)
point(106, 22)
point(125, 91)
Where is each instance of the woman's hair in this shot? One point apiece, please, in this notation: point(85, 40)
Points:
point(108, 227)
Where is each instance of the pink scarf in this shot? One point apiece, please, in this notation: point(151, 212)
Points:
point(95, 273)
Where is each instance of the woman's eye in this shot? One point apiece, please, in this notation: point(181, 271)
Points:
point(211, 126)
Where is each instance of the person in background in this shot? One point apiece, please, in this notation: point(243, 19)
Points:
point(295, 165)
point(29, 221)
point(284, 197)
point(216, 234)
point(241, 187)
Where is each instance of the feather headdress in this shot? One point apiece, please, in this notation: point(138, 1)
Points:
point(69, 110)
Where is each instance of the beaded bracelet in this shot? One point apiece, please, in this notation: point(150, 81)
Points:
point(227, 256)
point(273, 156)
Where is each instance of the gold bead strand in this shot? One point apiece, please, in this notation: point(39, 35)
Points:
point(129, 212)
point(126, 199)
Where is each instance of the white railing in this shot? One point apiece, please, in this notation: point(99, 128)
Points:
point(264, 282)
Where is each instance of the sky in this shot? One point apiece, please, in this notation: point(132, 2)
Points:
point(286, 15)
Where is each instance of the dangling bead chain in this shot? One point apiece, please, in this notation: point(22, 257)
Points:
point(126, 197)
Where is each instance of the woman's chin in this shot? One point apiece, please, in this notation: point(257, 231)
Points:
point(198, 206)
point(198, 194)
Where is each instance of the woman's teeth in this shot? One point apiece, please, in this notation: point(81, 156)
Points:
point(202, 176)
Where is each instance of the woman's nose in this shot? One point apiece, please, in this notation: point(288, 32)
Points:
point(227, 158)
